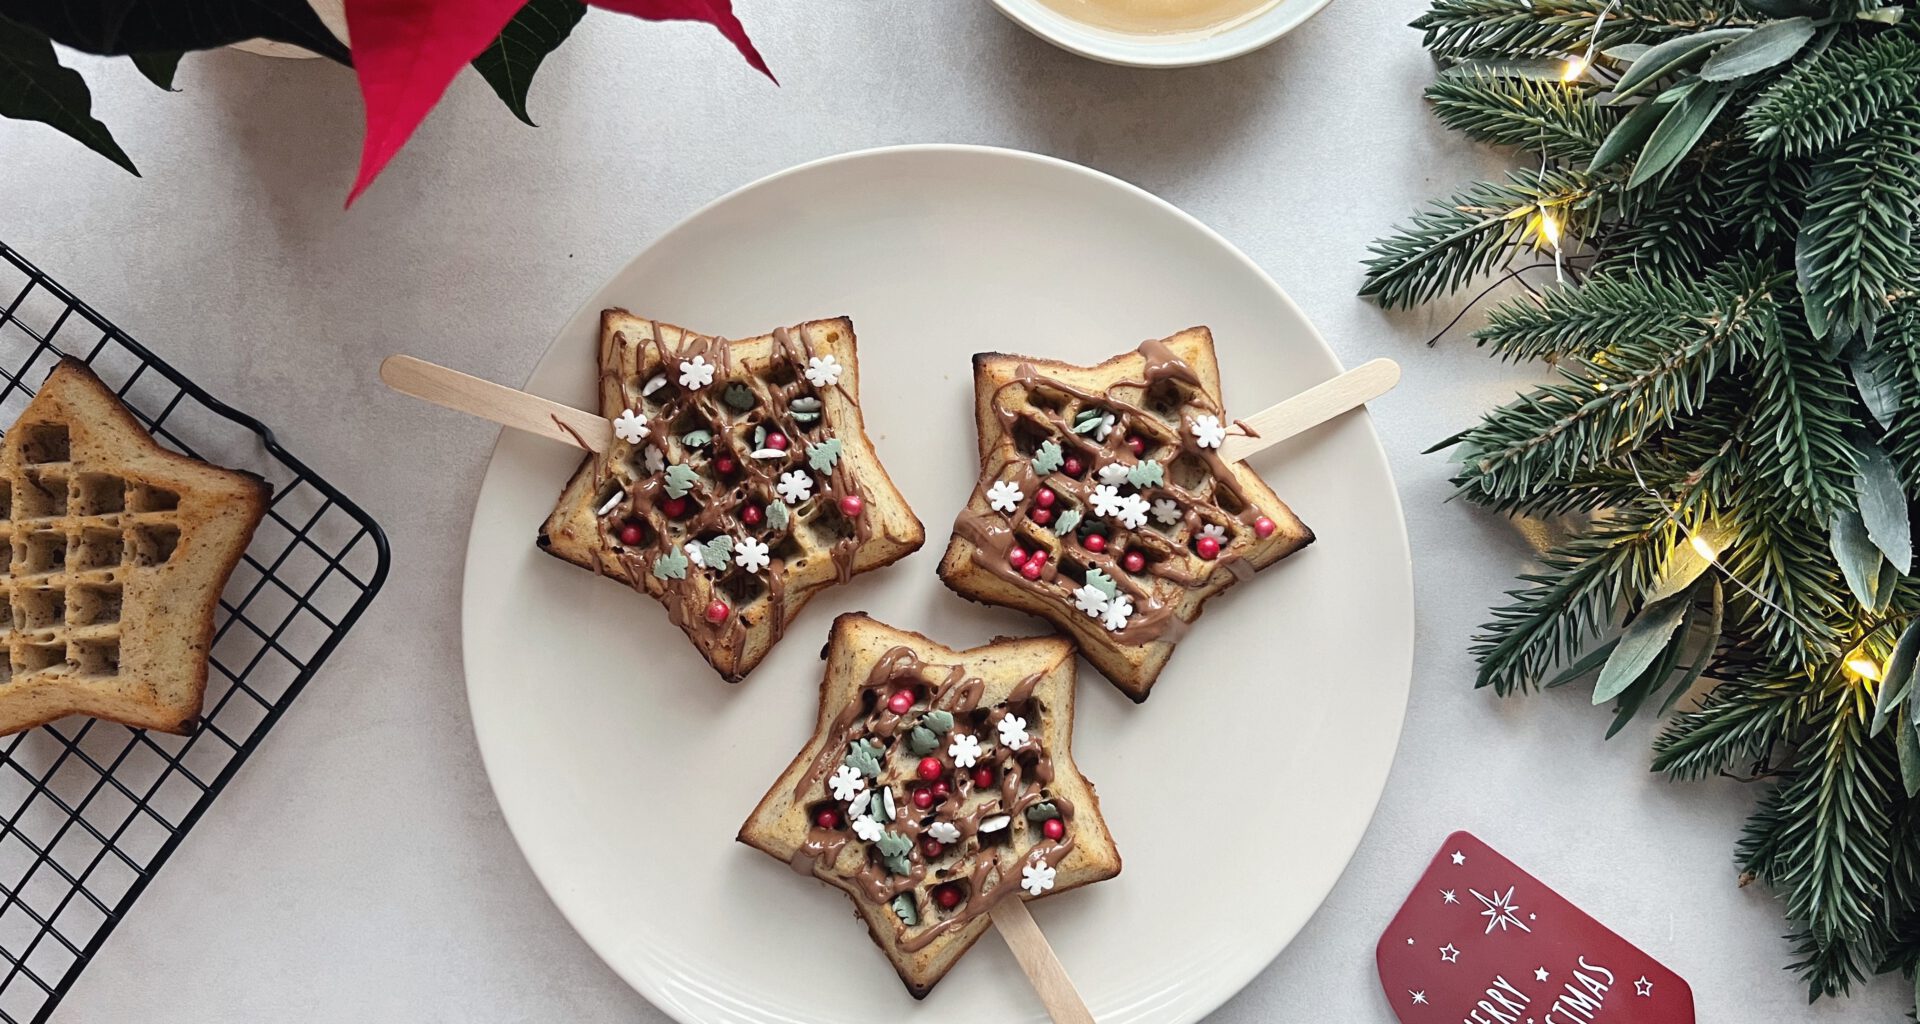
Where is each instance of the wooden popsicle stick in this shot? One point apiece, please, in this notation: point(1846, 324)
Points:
point(1310, 408)
point(503, 405)
point(1042, 968)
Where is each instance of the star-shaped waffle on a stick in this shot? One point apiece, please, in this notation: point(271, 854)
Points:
point(120, 549)
point(738, 484)
point(938, 783)
point(1105, 504)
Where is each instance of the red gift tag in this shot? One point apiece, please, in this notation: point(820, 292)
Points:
point(1482, 942)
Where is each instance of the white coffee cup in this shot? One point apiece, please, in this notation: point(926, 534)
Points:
point(1170, 50)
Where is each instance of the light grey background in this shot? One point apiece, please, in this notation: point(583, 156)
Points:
point(358, 868)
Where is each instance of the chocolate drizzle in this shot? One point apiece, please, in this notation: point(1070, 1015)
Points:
point(987, 872)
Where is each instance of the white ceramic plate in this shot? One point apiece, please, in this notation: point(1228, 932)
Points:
point(1237, 794)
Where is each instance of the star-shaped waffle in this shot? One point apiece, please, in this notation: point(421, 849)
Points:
point(119, 551)
point(1104, 505)
point(739, 483)
point(937, 783)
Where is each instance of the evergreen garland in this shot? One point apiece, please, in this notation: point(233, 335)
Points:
point(1728, 191)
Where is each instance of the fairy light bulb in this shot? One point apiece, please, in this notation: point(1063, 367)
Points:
point(1701, 545)
point(1575, 69)
point(1864, 667)
point(1549, 227)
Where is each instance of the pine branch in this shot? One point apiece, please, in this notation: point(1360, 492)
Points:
point(1798, 453)
point(1739, 723)
point(1824, 99)
point(1553, 117)
point(1856, 237)
point(1787, 561)
point(1760, 197)
point(1522, 28)
point(1605, 310)
point(1455, 241)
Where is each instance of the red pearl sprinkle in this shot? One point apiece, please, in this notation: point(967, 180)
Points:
point(751, 515)
point(674, 507)
point(946, 896)
point(1134, 561)
point(1208, 548)
point(982, 777)
point(930, 847)
point(1073, 467)
point(777, 441)
point(901, 702)
point(724, 465)
point(923, 797)
point(1044, 497)
point(1095, 542)
point(851, 506)
point(1031, 570)
point(718, 611)
point(1037, 558)
point(1043, 516)
point(1054, 828)
point(930, 768)
point(630, 534)
point(828, 819)
point(940, 790)
point(1017, 556)
point(1263, 527)
point(1136, 444)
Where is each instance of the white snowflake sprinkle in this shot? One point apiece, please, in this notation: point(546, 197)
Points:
point(656, 459)
point(823, 371)
point(847, 782)
point(1133, 511)
point(658, 381)
point(795, 486)
point(1004, 495)
point(1106, 427)
point(1036, 878)
point(751, 554)
point(695, 553)
point(1118, 612)
point(696, 373)
point(1091, 599)
point(1113, 473)
point(944, 832)
point(630, 427)
point(1207, 431)
point(1214, 530)
point(1013, 732)
point(868, 829)
point(965, 749)
point(1106, 501)
point(1167, 511)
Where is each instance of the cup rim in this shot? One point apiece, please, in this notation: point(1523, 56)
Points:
point(1146, 52)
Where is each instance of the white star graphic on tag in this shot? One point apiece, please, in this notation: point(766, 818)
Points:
point(1447, 896)
point(1643, 987)
point(1449, 954)
point(1540, 974)
point(1419, 998)
point(1459, 858)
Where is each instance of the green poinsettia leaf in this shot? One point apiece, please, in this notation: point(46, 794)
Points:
point(159, 67)
point(1640, 643)
point(1146, 474)
point(1883, 506)
point(1771, 44)
point(1047, 458)
point(680, 480)
point(119, 28)
point(510, 62)
point(1103, 583)
point(777, 516)
point(35, 86)
point(671, 566)
point(824, 455)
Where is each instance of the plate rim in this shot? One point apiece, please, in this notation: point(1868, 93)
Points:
point(1402, 674)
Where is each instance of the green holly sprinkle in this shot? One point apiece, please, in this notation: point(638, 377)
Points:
point(671, 566)
point(716, 553)
point(893, 844)
point(739, 396)
point(941, 722)
point(1146, 474)
point(1048, 458)
point(823, 455)
point(1043, 811)
point(680, 480)
point(922, 740)
point(904, 909)
point(1103, 583)
point(862, 760)
point(1067, 521)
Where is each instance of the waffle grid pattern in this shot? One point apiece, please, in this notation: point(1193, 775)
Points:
point(90, 810)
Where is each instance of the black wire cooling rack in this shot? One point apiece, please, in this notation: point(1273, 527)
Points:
point(89, 810)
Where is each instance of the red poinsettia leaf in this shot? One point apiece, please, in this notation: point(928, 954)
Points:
point(405, 53)
point(718, 13)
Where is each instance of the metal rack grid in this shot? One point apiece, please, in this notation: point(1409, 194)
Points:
point(90, 810)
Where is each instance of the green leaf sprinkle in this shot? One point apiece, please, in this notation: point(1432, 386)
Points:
point(1088, 421)
point(862, 760)
point(941, 722)
point(671, 566)
point(738, 396)
point(1146, 474)
point(904, 909)
point(1067, 521)
point(922, 741)
point(696, 438)
point(824, 455)
point(1048, 458)
point(1043, 811)
point(680, 480)
point(1103, 583)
